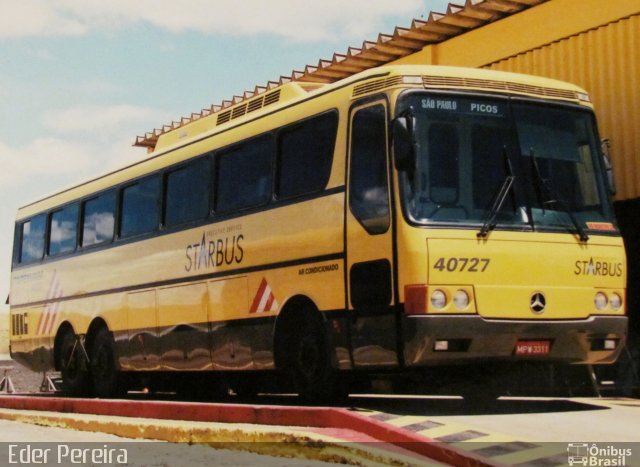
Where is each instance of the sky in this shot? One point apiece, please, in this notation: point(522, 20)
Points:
point(80, 79)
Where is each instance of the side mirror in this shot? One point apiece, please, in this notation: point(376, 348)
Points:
point(605, 145)
point(404, 147)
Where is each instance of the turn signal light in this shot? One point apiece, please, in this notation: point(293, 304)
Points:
point(583, 96)
point(415, 299)
point(412, 79)
point(421, 299)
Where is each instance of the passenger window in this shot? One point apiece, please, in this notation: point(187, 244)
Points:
point(244, 175)
point(63, 228)
point(443, 164)
point(368, 192)
point(140, 207)
point(98, 219)
point(305, 156)
point(187, 195)
point(32, 245)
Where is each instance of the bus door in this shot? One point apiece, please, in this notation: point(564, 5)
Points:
point(369, 240)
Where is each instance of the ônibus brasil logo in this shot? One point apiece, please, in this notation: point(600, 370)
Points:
point(591, 454)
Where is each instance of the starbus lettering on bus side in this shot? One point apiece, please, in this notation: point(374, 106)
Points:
point(212, 252)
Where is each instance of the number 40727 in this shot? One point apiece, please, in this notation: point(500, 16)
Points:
point(462, 264)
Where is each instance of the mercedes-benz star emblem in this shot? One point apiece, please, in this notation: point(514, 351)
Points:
point(538, 303)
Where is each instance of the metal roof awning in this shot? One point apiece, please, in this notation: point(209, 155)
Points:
point(439, 27)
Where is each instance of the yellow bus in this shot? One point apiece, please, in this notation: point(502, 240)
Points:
point(404, 218)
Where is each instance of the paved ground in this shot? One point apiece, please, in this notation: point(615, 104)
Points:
point(27, 438)
point(24, 380)
point(515, 419)
point(538, 432)
point(140, 454)
point(511, 424)
point(584, 420)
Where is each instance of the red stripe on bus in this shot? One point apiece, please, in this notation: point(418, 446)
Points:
point(270, 300)
point(258, 297)
point(47, 315)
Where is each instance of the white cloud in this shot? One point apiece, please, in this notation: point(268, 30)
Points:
point(26, 18)
point(119, 153)
point(91, 143)
point(101, 120)
point(48, 165)
point(43, 157)
point(79, 142)
point(292, 19)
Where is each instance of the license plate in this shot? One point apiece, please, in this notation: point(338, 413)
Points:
point(533, 348)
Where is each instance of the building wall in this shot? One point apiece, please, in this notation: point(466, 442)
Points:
point(606, 62)
point(592, 43)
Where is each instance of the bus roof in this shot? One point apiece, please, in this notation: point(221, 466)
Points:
point(438, 27)
point(295, 90)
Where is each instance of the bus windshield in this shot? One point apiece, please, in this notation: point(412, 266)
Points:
point(468, 148)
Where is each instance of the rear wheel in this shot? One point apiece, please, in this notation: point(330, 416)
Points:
point(107, 380)
point(73, 366)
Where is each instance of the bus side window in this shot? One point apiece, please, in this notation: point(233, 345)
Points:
point(187, 193)
point(140, 207)
point(32, 239)
point(369, 193)
point(98, 216)
point(305, 156)
point(63, 228)
point(244, 175)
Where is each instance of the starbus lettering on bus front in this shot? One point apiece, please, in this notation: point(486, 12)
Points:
point(593, 267)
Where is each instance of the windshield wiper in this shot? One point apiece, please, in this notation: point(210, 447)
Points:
point(552, 198)
point(496, 208)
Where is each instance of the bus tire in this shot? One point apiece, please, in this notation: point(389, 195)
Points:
point(107, 380)
point(73, 367)
point(310, 363)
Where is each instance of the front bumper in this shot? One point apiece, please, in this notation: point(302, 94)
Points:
point(473, 338)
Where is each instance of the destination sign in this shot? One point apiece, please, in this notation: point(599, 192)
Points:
point(464, 106)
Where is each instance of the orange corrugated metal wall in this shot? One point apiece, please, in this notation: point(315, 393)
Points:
point(606, 62)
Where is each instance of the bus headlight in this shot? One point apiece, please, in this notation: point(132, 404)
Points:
point(438, 299)
point(615, 301)
point(600, 301)
point(461, 299)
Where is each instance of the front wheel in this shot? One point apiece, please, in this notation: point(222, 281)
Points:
point(107, 380)
point(73, 366)
point(310, 362)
